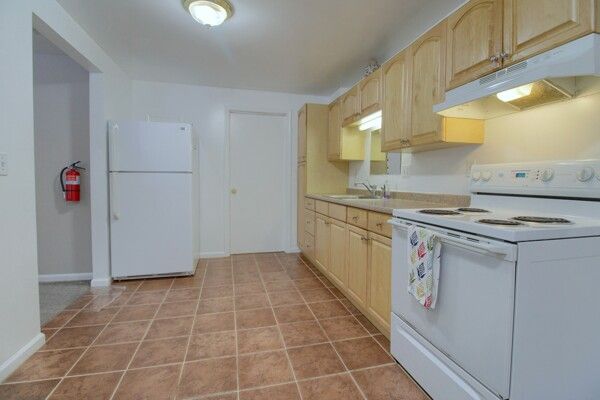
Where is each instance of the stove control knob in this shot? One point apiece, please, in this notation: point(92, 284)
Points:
point(547, 175)
point(585, 174)
point(476, 176)
point(486, 176)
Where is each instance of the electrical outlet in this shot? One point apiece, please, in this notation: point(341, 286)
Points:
point(3, 164)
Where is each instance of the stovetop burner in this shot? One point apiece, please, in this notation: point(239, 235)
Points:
point(504, 222)
point(542, 220)
point(439, 212)
point(472, 210)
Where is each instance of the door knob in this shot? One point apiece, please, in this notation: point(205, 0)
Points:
point(233, 191)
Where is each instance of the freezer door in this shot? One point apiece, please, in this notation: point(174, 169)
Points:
point(151, 223)
point(150, 147)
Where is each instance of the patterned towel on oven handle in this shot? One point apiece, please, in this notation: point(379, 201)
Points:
point(424, 250)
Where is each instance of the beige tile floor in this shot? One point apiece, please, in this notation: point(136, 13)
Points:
point(247, 327)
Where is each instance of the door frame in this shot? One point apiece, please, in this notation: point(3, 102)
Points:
point(287, 174)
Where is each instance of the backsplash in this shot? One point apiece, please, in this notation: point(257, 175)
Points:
point(561, 131)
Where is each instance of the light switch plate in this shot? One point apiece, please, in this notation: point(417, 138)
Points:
point(3, 164)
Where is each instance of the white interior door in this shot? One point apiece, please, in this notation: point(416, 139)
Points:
point(257, 181)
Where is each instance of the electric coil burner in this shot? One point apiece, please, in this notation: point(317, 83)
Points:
point(504, 222)
point(439, 212)
point(542, 220)
point(472, 210)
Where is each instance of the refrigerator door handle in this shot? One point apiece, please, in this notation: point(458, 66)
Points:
point(113, 197)
point(114, 132)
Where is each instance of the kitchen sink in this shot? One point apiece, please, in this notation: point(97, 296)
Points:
point(351, 197)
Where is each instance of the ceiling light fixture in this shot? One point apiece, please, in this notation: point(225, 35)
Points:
point(209, 12)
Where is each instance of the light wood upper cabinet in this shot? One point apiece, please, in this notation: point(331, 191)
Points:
point(301, 210)
point(370, 93)
point(380, 278)
point(337, 254)
point(322, 230)
point(396, 102)
point(350, 106)
point(335, 131)
point(474, 35)
point(427, 56)
point(357, 256)
point(302, 134)
point(534, 26)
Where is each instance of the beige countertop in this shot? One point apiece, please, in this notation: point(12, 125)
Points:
point(402, 200)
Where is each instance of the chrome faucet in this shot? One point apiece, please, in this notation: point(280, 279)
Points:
point(371, 188)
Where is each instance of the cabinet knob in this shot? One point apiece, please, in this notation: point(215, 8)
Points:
point(364, 238)
point(379, 225)
point(495, 59)
point(355, 218)
point(233, 191)
point(504, 56)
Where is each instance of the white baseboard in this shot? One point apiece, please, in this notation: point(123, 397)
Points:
point(100, 282)
point(65, 277)
point(293, 250)
point(14, 361)
point(214, 254)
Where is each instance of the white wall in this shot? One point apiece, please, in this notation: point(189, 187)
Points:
point(205, 108)
point(19, 308)
point(562, 131)
point(61, 136)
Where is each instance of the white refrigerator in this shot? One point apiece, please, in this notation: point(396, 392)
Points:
point(150, 171)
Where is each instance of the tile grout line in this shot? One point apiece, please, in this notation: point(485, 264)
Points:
point(289, 360)
point(189, 342)
point(141, 341)
point(86, 349)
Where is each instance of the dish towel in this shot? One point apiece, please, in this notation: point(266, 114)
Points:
point(424, 250)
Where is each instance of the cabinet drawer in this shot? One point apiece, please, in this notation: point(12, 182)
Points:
point(357, 217)
point(309, 203)
point(337, 211)
point(322, 207)
point(309, 245)
point(378, 224)
point(309, 222)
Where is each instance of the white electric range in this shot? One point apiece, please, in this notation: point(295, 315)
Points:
point(518, 309)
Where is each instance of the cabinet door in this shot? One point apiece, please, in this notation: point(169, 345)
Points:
point(380, 276)
point(350, 106)
point(337, 252)
point(396, 102)
point(322, 241)
point(370, 94)
point(427, 56)
point(474, 37)
point(301, 209)
point(534, 26)
point(335, 132)
point(357, 256)
point(302, 134)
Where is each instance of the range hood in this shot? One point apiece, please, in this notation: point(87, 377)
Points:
point(565, 72)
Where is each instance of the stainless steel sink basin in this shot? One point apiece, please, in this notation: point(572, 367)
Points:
point(351, 197)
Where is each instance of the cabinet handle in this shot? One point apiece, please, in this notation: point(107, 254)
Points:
point(495, 59)
point(504, 56)
point(364, 238)
point(354, 218)
point(379, 225)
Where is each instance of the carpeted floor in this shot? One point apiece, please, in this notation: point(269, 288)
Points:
point(56, 296)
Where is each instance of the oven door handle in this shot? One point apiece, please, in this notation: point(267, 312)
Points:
point(507, 251)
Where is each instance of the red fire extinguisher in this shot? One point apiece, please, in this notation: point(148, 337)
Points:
point(70, 182)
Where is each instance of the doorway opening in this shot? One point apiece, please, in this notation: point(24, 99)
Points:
point(61, 137)
point(259, 188)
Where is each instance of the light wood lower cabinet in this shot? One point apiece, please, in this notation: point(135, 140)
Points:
point(357, 256)
point(380, 278)
point(337, 252)
point(322, 229)
point(358, 261)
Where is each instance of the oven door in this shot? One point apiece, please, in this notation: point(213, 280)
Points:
point(472, 321)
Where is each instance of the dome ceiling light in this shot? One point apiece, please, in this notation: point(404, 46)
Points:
point(209, 12)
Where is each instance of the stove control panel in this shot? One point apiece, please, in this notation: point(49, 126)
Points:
point(549, 179)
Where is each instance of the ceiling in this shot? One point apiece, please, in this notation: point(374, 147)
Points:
point(295, 46)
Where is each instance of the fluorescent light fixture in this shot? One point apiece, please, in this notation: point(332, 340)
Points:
point(516, 93)
point(372, 122)
point(209, 12)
